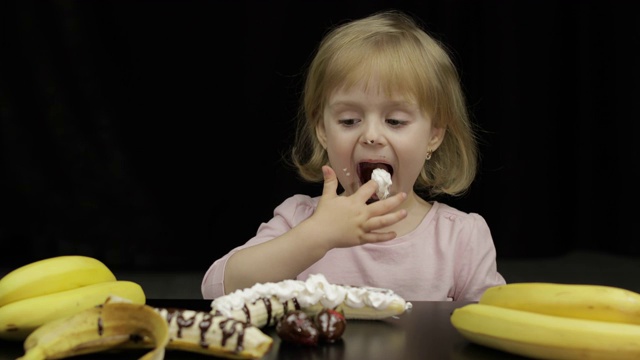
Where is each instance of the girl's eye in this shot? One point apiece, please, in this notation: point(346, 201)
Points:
point(394, 122)
point(348, 122)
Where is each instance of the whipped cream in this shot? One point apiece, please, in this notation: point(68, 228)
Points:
point(383, 178)
point(316, 289)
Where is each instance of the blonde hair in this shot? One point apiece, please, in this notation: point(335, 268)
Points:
point(405, 60)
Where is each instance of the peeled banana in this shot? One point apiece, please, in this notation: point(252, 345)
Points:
point(264, 303)
point(216, 335)
point(266, 310)
point(19, 318)
point(542, 336)
point(52, 275)
point(584, 301)
point(108, 326)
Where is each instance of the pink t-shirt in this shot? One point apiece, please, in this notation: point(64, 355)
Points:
point(450, 256)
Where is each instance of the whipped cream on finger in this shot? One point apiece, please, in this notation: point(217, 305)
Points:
point(383, 178)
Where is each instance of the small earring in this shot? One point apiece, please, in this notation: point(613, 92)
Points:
point(429, 153)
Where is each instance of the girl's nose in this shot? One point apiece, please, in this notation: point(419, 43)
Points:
point(372, 136)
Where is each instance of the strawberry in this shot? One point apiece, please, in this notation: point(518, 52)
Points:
point(330, 324)
point(297, 327)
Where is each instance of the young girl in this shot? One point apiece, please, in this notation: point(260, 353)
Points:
point(379, 93)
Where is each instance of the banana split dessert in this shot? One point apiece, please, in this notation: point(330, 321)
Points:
point(264, 303)
point(310, 312)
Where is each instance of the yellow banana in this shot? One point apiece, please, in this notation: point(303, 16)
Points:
point(542, 336)
point(18, 319)
point(264, 303)
point(216, 335)
point(595, 302)
point(265, 311)
point(52, 275)
point(99, 328)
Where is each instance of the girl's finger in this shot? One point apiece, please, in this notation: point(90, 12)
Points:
point(383, 221)
point(384, 206)
point(330, 182)
point(367, 190)
point(374, 237)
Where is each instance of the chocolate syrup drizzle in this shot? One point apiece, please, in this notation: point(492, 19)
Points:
point(228, 326)
point(266, 301)
point(100, 326)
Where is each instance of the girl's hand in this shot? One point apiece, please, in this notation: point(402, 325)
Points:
point(347, 221)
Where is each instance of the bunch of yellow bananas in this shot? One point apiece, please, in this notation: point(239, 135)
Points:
point(57, 287)
point(556, 321)
point(67, 306)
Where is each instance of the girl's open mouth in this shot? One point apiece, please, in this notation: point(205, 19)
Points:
point(364, 174)
point(366, 168)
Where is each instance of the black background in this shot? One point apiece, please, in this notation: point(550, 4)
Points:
point(149, 134)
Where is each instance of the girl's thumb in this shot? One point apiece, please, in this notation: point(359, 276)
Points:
point(330, 180)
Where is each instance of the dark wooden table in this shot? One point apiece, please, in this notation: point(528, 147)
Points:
point(424, 333)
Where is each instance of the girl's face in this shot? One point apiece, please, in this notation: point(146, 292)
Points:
point(362, 129)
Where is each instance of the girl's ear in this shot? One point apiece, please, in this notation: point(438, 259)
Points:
point(321, 134)
point(437, 135)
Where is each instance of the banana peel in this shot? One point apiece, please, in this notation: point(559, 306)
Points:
point(18, 319)
point(105, 327)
